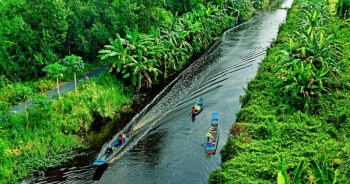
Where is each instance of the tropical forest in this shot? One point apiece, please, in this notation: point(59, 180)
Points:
point(293, 125)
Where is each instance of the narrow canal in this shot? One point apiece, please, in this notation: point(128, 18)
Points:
point(165, 145)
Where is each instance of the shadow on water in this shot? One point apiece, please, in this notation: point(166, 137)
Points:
point(99, 172)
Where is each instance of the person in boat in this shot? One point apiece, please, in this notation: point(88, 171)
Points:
point(109, 151)
point(121, 140)
point(208, 135)
point(194, 113)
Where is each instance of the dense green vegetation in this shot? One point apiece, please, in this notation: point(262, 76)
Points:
point(53, 129)
point(144, 41)
point(294, 123)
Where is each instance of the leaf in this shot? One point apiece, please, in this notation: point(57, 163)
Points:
point(291, 44)
point(318, 174)
point(126, 75)
point(324, 71)
point(303, 51)
point(280, 178)
point(321, 38)
point(302, 88)
point(324, 169)
point(282, 170)
point(336, 172)
point(289, 87)
point(298, 172)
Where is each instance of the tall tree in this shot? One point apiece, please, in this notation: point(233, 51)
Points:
point(56, 71)
point(32, 34)
point(74, 64)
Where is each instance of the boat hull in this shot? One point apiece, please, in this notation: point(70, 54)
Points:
point(104, 158)
point(198, 106)
point(212, 137)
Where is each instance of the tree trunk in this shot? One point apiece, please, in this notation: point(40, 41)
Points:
point(27, 117)
point(75, 83)
point(58, 88)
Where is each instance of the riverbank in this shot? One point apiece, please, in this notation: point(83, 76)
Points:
point(287, 128)
point(68, 120)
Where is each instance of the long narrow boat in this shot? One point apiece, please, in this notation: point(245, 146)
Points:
point(106, 156)
point(198, 106)
point(212, 137)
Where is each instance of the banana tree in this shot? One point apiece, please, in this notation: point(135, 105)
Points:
point(184, 48)
point(138, 41)
point(215, 21)
point(55, 70)
point(240, 8)
point(318, 175)
point(174, 40)
point(194, 29)
point(297, 78)
point(324, 51)
point(117, 53)
point(170, 62)
point(311, 62)
point(140, 68)
point(75, 64)
point(180, 35)
point(163, 51)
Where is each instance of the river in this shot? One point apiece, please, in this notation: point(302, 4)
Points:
point(165, 145)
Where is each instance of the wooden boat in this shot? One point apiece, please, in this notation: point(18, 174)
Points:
point(105, 157)
point(212, 137)
point(198, 106)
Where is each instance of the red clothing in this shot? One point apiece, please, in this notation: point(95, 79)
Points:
point(193, 111)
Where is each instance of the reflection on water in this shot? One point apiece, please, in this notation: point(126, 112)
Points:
point(165, 145)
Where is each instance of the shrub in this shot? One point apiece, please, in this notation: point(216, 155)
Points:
point(343, 9)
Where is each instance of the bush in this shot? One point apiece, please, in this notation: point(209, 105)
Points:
point(343, 9)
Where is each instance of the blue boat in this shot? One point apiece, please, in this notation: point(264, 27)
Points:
point(112, 152)
point(212, 137)
point(198, 106)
